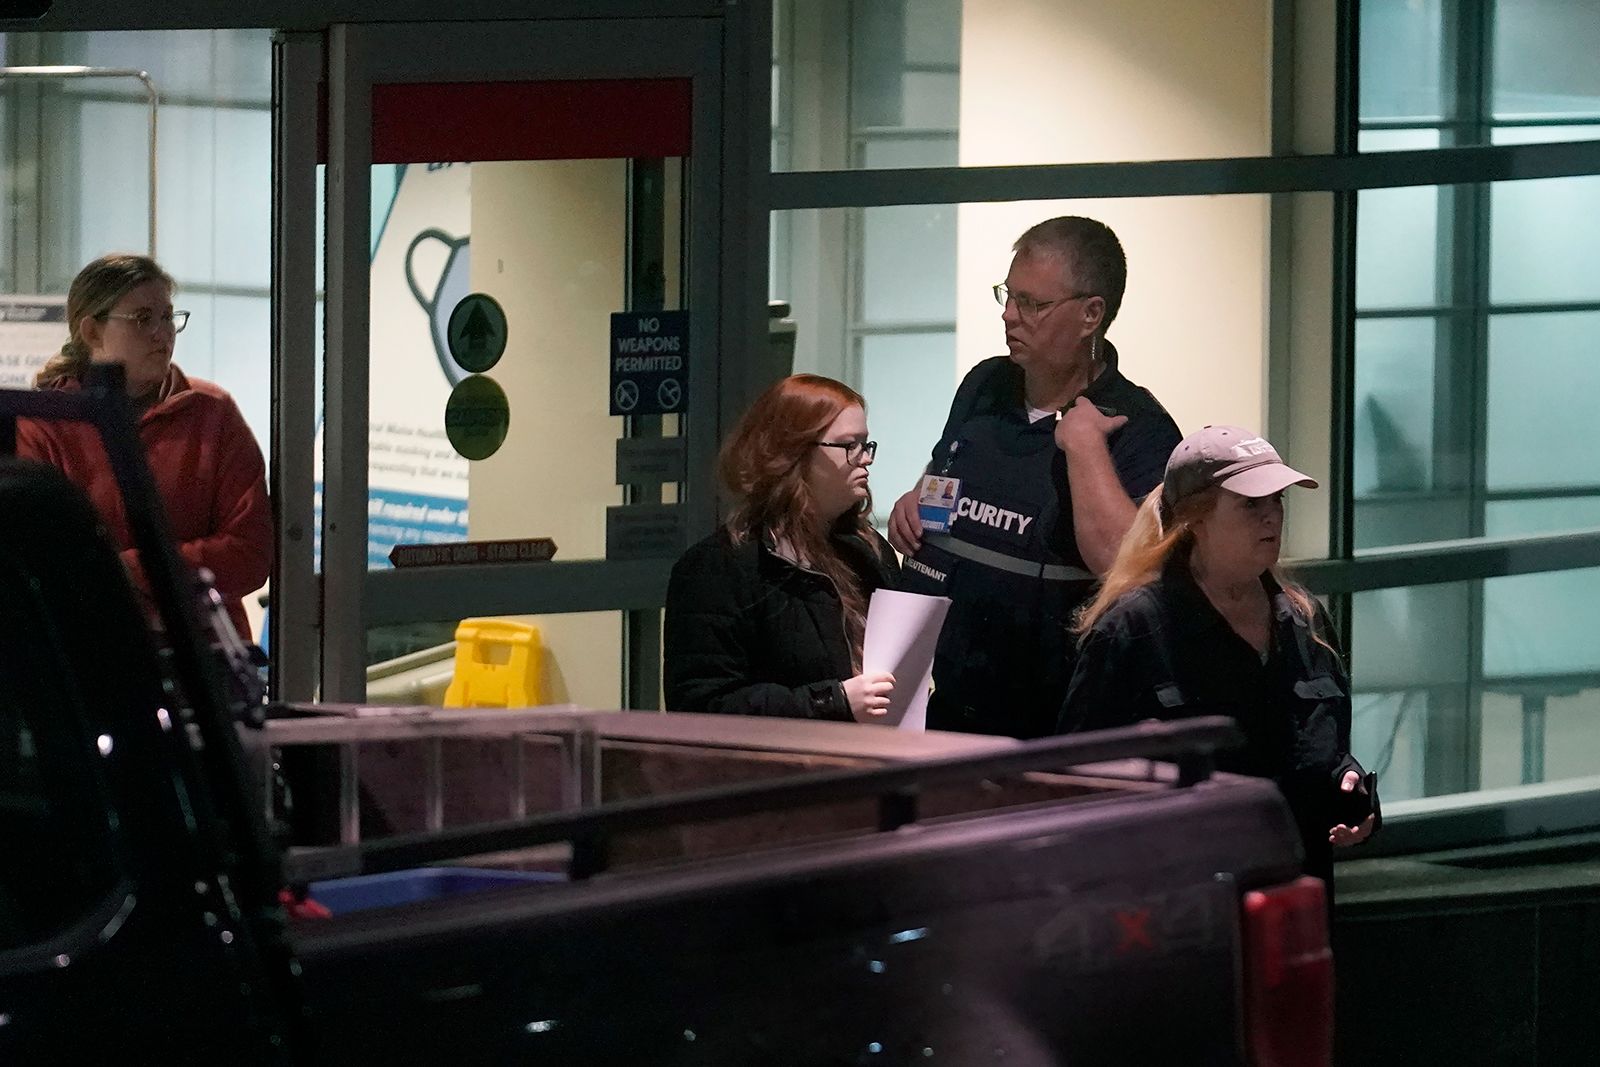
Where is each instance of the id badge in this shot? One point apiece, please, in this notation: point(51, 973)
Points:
point(937, 498)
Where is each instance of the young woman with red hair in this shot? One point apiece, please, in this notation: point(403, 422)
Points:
point(766, 616)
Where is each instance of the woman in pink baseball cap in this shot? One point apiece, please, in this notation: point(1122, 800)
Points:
point(1195, 618)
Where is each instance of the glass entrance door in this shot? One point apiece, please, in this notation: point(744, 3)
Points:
point(521, 279)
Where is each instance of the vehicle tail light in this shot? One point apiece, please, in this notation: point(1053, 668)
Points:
point(1288, 976)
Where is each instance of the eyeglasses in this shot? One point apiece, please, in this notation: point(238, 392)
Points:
point(854, 451)
point(144, 320)
point(1028, 307)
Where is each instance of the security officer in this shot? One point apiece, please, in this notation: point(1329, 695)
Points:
point(1031, 486)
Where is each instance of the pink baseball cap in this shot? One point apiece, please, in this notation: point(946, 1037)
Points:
point(1236, 459)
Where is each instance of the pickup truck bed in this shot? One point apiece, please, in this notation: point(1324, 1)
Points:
point(1123, 912)
point(1090, 931)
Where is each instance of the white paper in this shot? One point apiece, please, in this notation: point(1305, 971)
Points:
point(902, 632)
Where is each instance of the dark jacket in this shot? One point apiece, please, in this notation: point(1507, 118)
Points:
point(1005, 652)
point(748, 632)
point(1164, 652)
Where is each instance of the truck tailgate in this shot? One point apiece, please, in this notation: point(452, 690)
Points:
point(1104, 931)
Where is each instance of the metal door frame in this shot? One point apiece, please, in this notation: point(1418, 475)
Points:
point(319, 634)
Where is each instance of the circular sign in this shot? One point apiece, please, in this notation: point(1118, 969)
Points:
point(477, 332)
point(627, 395)
point(476, 417)
point(669, 393)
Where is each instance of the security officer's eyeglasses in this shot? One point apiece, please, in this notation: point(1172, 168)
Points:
point(1027, 306)
point(854, 451)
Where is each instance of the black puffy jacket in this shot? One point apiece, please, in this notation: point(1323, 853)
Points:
point(749, 632)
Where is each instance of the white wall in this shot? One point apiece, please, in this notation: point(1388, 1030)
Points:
point(1047, 81)
point(547, 243)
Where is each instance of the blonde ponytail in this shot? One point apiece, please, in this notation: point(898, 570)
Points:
point(66, 365)
point(1144, 551)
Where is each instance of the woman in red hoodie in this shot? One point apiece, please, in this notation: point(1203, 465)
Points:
point(207, 465)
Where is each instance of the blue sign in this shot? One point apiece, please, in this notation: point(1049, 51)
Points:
point(649, 362)
point(400, 518)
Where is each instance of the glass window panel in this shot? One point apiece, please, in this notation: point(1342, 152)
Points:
point(1565, 131)
point(778, 255)
point(1411, 714)
point(1148, 79)
point(213, 183)
point(211, 66)
point(112, 208)
point(932, 99)
point(1432, 724)
point(187, 191)
point(904, 62)
point(1571, 741)
point(1402, 49)
point(241, 362)
point(877, 64)
point(1397, 245)
point(1500, 763)
point(1540, 660)
point(1512, 518)
point(1544, 58)
point(1410, 669)
point(1412, 637)
point(1394, 400)
point(1545, 234)
point(1386, 735)
point(1544, 378)
point(241, 221)
point(908, 380)
point(908, 269)
point(882, 152)
point(817, 268)
point(1412, 518)
point(1541, 624)
point(933, 35)
point(1538, 733)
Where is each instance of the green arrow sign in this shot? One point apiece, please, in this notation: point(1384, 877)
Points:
point(477, 332)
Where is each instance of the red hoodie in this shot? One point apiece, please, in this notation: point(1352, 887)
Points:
point(207, 468)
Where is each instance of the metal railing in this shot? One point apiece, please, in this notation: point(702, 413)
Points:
point(1437, 562)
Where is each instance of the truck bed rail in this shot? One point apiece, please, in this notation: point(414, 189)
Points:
point(1191, 744)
